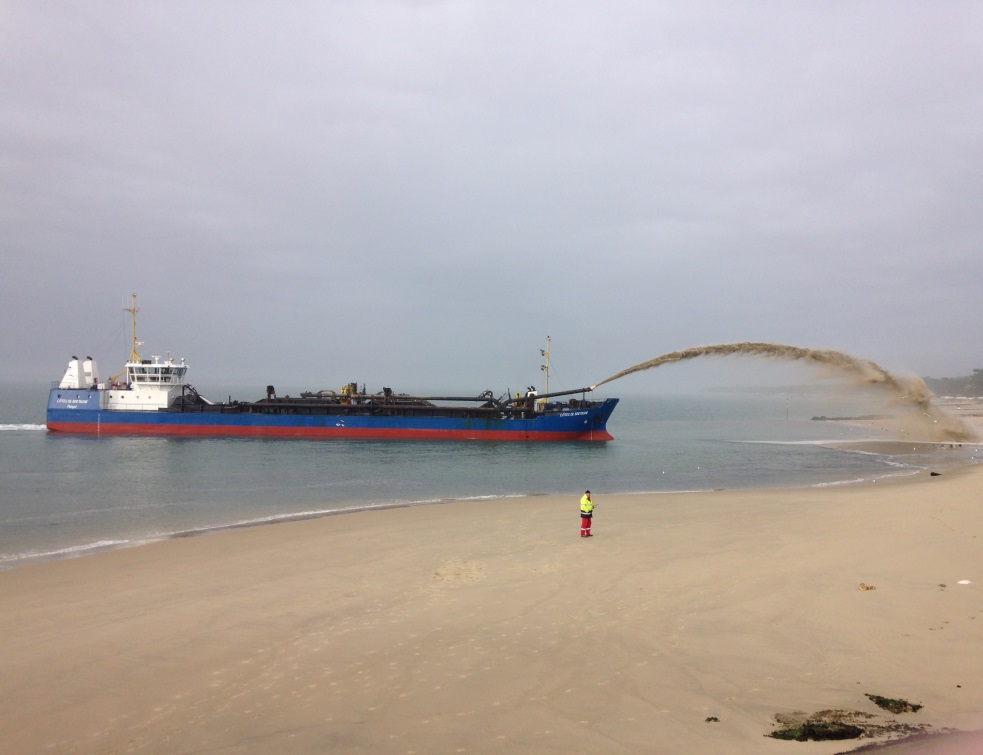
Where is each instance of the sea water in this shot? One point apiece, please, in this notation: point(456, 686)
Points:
point(64, 495)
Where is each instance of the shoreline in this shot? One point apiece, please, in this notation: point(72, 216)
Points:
point(86, 549)
point(55, 543)
point(437, 628)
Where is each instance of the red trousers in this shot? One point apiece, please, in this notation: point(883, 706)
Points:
point(584, 526)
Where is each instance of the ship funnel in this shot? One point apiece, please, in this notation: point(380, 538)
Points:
point(71, 378)
point(90, 373)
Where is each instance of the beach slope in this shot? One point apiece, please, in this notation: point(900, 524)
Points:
point(686, 624)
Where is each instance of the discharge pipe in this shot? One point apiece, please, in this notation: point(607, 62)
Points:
point(484, 397)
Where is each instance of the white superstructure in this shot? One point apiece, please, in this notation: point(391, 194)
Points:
point(149, 384)
point(145, 384)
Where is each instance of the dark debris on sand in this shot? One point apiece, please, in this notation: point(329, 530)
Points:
point(893, 705)
point(823, 725)
point(837, 724)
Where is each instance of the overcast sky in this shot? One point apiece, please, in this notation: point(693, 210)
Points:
point(417, 194)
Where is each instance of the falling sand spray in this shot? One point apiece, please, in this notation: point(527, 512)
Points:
point(910, 393)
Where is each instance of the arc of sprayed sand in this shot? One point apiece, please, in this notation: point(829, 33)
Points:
point(869, 371)
point(912, 390)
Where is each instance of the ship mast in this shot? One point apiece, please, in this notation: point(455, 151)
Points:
point(133, 309)
point(546, 367)
point(134, 357)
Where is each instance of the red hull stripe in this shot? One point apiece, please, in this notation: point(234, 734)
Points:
point(92, 428)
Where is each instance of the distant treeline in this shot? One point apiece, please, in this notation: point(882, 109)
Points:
point(971, 385)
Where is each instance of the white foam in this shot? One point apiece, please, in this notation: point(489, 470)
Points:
point(794, 442)
point(294, 516)
point(837, 483)
point(69, 552)
point(488, 497)
point(32, 428)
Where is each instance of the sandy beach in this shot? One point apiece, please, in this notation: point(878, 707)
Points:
point(687, 624)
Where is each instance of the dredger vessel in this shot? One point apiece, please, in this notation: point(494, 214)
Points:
point(151, 397)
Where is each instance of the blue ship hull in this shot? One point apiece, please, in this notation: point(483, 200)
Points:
point(79, 411)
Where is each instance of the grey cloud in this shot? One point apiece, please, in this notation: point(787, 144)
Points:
point(424, 191)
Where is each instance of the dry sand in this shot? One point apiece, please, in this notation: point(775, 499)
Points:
point(481, 627)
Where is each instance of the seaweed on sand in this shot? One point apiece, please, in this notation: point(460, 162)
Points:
point(894, 705)
point(839, 724)
point(824, 725)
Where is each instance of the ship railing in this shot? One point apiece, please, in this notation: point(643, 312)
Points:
point(96, 387)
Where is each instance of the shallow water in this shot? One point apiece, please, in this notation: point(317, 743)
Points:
point(62, 494)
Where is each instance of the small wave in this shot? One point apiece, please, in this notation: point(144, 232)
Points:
point(24, 427)
point(68, 552)
point(296, 516)
point(831, 442)
point(491, 497)
point(906, 471)
point(901, 464)
point(837, 483)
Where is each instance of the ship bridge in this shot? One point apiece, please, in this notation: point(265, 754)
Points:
point(144, 385)
point(150, 385)
point(154, 372)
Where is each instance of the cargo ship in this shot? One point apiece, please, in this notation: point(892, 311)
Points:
point(152, 397)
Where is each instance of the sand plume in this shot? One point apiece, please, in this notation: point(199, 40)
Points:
point(909, 392)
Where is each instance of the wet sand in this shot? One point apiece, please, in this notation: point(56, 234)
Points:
point(492, 626)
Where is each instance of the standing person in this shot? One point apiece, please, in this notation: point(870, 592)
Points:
point(586, 514)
